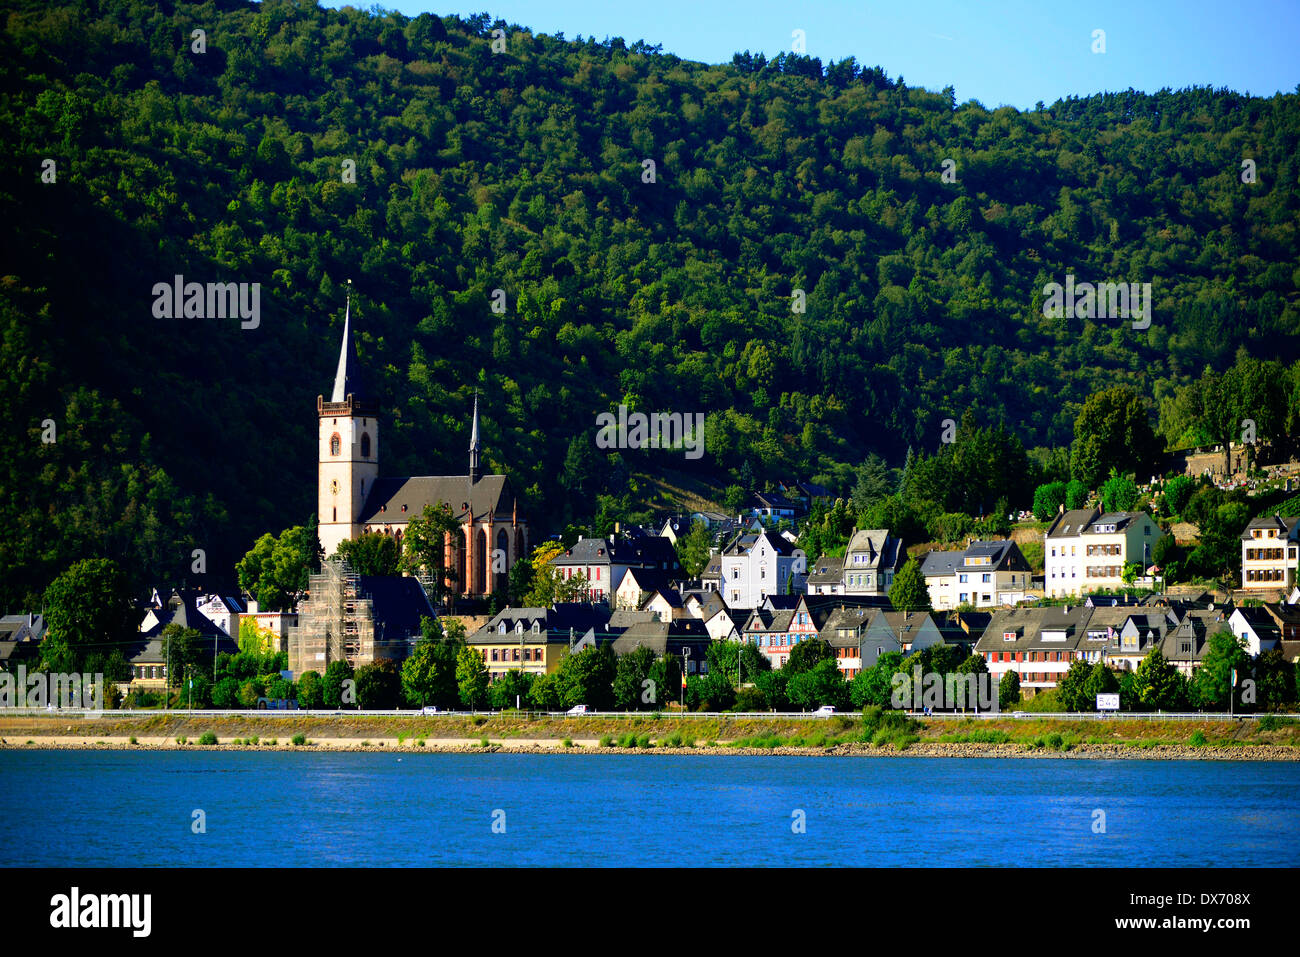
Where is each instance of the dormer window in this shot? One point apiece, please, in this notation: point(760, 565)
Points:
point(501, 628)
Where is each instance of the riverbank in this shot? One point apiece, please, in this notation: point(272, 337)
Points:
point(1144, 752)
point(839, 736)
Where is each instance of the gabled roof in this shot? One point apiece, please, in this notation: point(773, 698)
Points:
point(670, 596)
point(181, 608)
point(664, 637)
point(1084, 522)
point(713, 569)
point(774, 500)
point(623, 618)
point(1261, 623)
point(398, 602)
point(810, 489)
point(710, 603)
point(941, 564)
point(745, 544)
point(882, 549)
point(1283, 614)
point(1069, 524)
point(905, 624)
point(1171, 647)
point(647, 550)
point(32, 627)
point(555, 622)
point(587, 551)
point(400, 500)
point(1288, 527)
point(826, 571)
point(1029, 625)
point(1002, 555)
point(853, 621)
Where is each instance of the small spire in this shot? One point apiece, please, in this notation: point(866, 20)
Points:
point(474, 444)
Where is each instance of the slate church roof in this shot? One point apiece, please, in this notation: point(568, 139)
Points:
point(399, 500)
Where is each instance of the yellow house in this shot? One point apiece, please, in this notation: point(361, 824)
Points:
point(536, 640)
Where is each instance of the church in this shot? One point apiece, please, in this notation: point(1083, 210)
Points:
point(354, 499)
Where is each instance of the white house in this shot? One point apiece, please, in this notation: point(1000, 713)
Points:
point(1270, 551)
point(1257, 627)
point(755, 566)
point(1085, 550)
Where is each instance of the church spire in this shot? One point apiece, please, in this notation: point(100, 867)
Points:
point(474, 444)
point(347, 380)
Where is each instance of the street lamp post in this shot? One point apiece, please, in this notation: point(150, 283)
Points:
point(686, 651)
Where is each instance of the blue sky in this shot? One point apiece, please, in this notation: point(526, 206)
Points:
point(1011, 52)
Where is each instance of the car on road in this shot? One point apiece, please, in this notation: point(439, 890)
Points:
point(825, 711)
point(578, 709)
point(429, 709)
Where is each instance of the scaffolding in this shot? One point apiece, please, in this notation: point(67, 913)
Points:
point(336, 623)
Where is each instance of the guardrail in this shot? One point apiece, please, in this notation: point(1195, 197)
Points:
point(736, 715)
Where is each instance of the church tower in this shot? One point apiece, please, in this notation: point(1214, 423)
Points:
point(347, 448)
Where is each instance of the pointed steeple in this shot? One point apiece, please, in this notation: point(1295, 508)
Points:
point(347, 380)
point(474, 444)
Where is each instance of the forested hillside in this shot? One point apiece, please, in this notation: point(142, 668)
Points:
point(523, 170)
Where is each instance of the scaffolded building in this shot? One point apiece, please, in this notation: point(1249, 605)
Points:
point(339, 622)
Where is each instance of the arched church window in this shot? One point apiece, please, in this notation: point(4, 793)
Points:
point(365, 445)
point(335, 444)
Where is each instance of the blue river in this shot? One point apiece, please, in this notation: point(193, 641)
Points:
point(197, 809)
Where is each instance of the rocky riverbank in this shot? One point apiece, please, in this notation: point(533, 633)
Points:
point(923, 749)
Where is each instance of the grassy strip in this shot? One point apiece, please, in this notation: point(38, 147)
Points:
point(874, 726)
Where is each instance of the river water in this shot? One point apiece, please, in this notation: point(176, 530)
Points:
point(204, 808)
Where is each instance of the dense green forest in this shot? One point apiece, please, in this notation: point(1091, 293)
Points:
point(225, 158)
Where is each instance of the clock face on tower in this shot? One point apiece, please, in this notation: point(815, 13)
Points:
point(334, 487)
